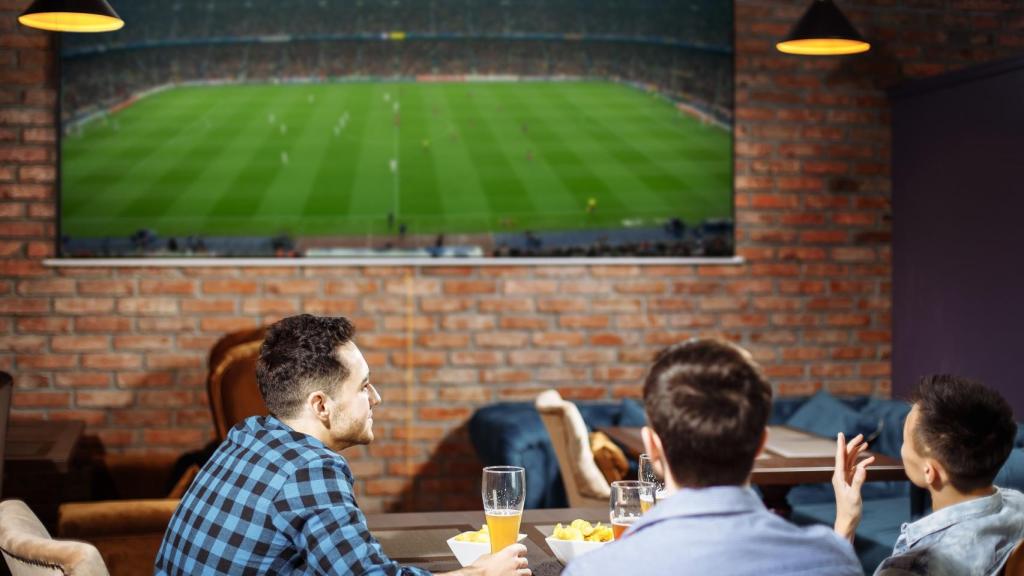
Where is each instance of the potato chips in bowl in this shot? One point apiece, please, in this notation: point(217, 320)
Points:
point(579, 537)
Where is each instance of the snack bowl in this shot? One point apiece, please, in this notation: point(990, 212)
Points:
point(468, 552)
point(566, 550)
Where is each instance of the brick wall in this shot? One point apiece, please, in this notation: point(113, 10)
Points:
point(124, 349)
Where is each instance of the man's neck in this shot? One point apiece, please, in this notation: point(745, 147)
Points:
point(950, 496)
point(315, 429)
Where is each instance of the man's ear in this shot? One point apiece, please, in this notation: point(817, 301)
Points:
point(935, 474)
point(317, 404)
point(654, 449)
point(761, 444)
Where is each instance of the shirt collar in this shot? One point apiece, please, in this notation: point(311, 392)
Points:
point(713, 501)
point(938, 521)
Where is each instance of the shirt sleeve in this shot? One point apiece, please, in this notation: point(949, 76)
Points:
point(327, 526)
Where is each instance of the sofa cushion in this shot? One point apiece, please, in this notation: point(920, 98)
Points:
point(890, 415)
point(1011, 475)
point(825, 415)
point(633, 413)
point(878, 530)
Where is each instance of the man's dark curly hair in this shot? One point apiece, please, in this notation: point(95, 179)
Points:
point(299, 357)
point(966, 426)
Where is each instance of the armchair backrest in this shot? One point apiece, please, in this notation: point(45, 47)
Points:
point(231, 381)
point(585, 486)
point(30, 551)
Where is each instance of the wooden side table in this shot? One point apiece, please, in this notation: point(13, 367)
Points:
point(39, 461)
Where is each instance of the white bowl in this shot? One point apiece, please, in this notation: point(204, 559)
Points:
point(566, 550)
point(468, 552)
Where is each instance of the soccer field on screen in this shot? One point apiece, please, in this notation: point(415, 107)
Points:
point(337, 159)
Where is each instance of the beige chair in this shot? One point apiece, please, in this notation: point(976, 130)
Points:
point(1015, 563)
point(30, 551)
point(585, 486)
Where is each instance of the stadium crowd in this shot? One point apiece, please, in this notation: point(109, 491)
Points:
point(678, 47)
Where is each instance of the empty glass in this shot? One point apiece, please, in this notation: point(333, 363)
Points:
point(647, 473)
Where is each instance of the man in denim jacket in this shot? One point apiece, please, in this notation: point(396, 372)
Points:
point(955, 439)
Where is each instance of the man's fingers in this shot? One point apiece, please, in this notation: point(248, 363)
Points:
point(514, 550)
point(840, 452)
point(859, 476)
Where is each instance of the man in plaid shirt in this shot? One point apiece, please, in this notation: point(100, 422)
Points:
point(276, 497)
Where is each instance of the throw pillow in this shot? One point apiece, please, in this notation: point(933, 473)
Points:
point(826, 415)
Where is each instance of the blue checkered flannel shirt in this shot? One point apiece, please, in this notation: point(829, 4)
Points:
point(272, 501)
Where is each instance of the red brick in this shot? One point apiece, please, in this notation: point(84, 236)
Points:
point(26, 399)
point(48, 325)
point(164, 286)
point(470, 286)
point(561, 305)
point(80, 343)
point(445, 304)
point(270, 306)
point(506, 305)
point(506, 375)
point(165, 398)
point(83, 380)
point(174, 437)
point(442, 340)
point(101, 287)
point(457, 414)
point(534, 358)
point(226, 324)
point(468, 322)
point(140, 342)
point(501, 339)
point(148, 306)
point(292, 287)
point(477, 358)
point(208, 306)
point(530, 287)
point(111, 361)
point(557, 339)
point(46, 361)
point(140, 418)
point(22, 343)
point(83, 305)
point(104, 324)
point(104, 398)
point(350, 287)
point(24, 305)
point(234, 287)
point(413, 286)
point(418, 358)
point(146, 379)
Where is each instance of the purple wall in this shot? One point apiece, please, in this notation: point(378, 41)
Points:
point(958, 229)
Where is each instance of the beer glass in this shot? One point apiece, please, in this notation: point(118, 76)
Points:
point(504, 491)
point(628, 501)
point(647, 474)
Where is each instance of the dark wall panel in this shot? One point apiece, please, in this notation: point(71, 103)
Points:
point(958, 245)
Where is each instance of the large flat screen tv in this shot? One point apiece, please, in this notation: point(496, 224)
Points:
point(419, 128)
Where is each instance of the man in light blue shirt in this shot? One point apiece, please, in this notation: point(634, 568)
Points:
point(955, 439)
point(708, 406)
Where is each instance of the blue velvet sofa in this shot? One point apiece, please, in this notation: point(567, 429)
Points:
point(512, 433)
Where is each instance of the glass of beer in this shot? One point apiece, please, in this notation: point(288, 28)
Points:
point(504, 491)
point(628, 501)
point(648, 474)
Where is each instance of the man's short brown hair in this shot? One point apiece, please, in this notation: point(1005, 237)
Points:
point(709, 404)
point(966, 426)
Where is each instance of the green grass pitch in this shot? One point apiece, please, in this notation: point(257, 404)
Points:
point(317, 160)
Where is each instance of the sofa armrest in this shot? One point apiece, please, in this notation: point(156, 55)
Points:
point(90, 521)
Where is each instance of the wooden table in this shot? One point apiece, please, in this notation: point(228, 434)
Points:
point(38, 459)
point(419, 538)
point(773, 473)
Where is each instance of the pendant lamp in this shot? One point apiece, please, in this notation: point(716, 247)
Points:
point(71, 16)
point(823, 31)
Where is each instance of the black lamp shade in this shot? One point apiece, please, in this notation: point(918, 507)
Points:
point(71, 16)
point(823, 31)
